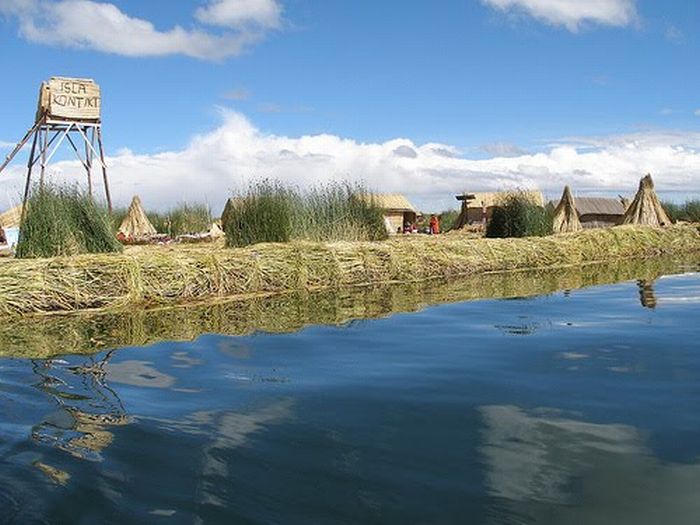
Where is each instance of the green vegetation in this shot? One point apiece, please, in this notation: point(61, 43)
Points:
point(182, 219)
point(62, 220)
point(262, 215)
point(272, 212)
point(448, 219)
point(689, 211)
point(518, 216)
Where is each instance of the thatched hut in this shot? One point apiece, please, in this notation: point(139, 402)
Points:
point(597, 212)
point(477, 208)
point(646, 208)
point(397, 210)
point(565, 215)
point(136, 224)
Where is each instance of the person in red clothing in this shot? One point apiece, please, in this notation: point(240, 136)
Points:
point(434, 225)
point(3, 238)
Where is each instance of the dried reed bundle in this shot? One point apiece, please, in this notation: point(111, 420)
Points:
point(136, 224)
point(153, 275)
point(565, 218)
point(11, 218)
point(43, 336)
point(646, 208)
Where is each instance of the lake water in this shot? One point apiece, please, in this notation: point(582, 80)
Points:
point(578, 406)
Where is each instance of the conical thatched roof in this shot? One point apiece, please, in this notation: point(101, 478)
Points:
point(228, 210)
point(565, 214)
point(11, 218)
point(646, 208)
point(136, 223)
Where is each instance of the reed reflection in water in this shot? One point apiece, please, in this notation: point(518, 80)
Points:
point(559, 408)
point(45, 336)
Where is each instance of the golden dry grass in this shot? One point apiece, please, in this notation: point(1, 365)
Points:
point(152, 275)
point(43, 336)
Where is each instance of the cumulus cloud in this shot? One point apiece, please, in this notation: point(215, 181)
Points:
point(406, 152)
point(226, 159)
point(572, 14)
point(503, 149)
point(100, 26)
point(237, 13)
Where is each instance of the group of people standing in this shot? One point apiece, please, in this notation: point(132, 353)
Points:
point(433, 227)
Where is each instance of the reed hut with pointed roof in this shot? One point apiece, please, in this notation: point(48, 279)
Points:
point(597, 212)
point(646, 208)
point(565, 218)
point(136, 224)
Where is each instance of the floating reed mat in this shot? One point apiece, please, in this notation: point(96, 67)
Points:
point(41, 336)
point(150, 276)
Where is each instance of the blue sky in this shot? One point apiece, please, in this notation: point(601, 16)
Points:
point(509, 87)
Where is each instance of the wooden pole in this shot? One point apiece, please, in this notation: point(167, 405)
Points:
point(104, 168)
point(44, 144)
point(30, 164)
point(88, 161)
point(19, 145)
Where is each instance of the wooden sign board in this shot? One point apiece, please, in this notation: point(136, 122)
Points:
point(77, 99)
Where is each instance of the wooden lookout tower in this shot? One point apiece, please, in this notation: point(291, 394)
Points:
point(69, 111)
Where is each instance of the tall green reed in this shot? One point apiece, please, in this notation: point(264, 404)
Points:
point(62, 220)
point(517, 216)
point(272, 212)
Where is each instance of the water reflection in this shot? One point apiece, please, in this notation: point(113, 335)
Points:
point(545, 466)
point(412, 419)
point(46, 336)
point(646, 293)
point(86, 407)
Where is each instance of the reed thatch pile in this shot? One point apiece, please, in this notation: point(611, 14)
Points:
point(215, 232)
point(646, 208)
point(136, 224)
point(565, 219)
point(42, 336)
point(11, 218)
point(151, 276)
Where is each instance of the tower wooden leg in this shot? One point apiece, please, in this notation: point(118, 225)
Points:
point(104, 169)
point(27, 184)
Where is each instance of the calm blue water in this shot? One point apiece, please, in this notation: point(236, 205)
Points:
point(578, 407)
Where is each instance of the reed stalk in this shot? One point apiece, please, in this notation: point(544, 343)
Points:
point(153, 275)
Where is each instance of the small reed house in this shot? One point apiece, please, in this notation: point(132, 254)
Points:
point(397, 210)
point(598, 212)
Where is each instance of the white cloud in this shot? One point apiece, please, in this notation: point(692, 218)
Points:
point(227, 158)
point(697, 112)
point(572, 14)
point(237, 13)
point(88, 24)
point(503, 149)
